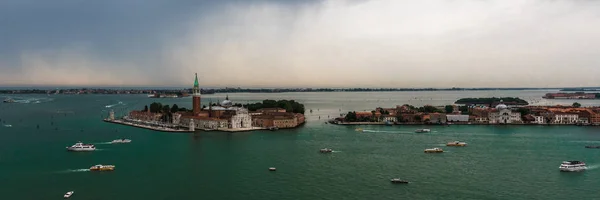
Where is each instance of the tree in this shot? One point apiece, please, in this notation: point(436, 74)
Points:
point(166, 109)
point(418, 118)
point(449, 108)
point(576, 105)
point(155, 107)
point(175, 108)
point(145, 108)
point(350, 117)
point(524, 111)
point(399, 118)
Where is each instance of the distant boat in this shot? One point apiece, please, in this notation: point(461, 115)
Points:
point(422, 131)
point(9, 100)
point(397, 180)
point(69, 194)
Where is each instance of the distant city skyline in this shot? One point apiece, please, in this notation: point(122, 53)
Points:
point(300, 44)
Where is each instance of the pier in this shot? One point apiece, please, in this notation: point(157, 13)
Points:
point(151, 127)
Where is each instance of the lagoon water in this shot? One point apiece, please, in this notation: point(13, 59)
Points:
point(501, 162)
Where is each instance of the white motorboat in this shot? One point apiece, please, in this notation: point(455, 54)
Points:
point(81, 147)
point(434, 150)
point(69, 194)
point(326, 150)
point(422, 130)
point(572, 166)
point(272, 169)
point(117, 141)
point(397, 180)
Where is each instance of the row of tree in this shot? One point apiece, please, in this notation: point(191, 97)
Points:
point(289, 105)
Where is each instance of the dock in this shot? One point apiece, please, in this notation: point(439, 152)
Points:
point(154, 128)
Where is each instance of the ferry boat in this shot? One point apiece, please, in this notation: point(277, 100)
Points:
point(456, 144)
point(68, 194)
point(434, 150)
point(81, 147)
point(397, 180)
point(326, 150)
point(572, 166)
point(9, 100)
point(102, 168)
point(422, 130)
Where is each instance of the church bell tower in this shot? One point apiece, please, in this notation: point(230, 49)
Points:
point(196, 97)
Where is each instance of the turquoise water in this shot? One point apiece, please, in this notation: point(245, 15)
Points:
point(501, 162)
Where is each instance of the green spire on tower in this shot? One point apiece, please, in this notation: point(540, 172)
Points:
point(196, 81)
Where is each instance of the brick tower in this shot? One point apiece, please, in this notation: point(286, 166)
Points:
point(196, 97)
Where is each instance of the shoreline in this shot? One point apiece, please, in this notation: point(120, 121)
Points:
point(172, 130)
point(462, 124)
point(154, 128)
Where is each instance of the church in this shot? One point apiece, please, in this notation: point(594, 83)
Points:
point(223, 116)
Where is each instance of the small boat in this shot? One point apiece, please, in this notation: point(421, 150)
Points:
point(397, 180)
point(456, 144)
point(359, 129)
point(434, 150)
point(387, 123)
point(273, 128)
point(422, 131)
point(117, 141)
point(272, 169)
point(9, 100)
point(120, 141)
point(102, 168)
point(572, 166)
point(326, 150)
point(81, 147)
point(69, 194)
point(592, 147)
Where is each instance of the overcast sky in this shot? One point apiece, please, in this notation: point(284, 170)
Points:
point(294, 43)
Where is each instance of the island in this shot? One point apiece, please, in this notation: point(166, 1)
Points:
point(492, 101)
point(575, 95)
point(475, 111)
point(225, 116)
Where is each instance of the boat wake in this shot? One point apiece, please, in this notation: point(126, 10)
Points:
point(7, 125)
point(374, 131)
point(75, 170)
point(113, 105)
point(593, 167)
point(336, 151)
point(103, 143)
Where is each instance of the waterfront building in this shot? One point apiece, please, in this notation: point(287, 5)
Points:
point(278, 119)
point(457, 118)
point(565, 118)
point(503, 115)
point(539, 119)
point(389, 118)
point(437, 118)
point(145, 116)
point(270, 110)
point(111, 115)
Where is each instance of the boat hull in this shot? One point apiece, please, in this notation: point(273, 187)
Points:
point(573, 169)
point(80, 149)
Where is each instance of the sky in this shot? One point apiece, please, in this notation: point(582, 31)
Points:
point(301, 43)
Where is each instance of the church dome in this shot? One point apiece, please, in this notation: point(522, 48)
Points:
point(227, 102)
point(501, 106)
